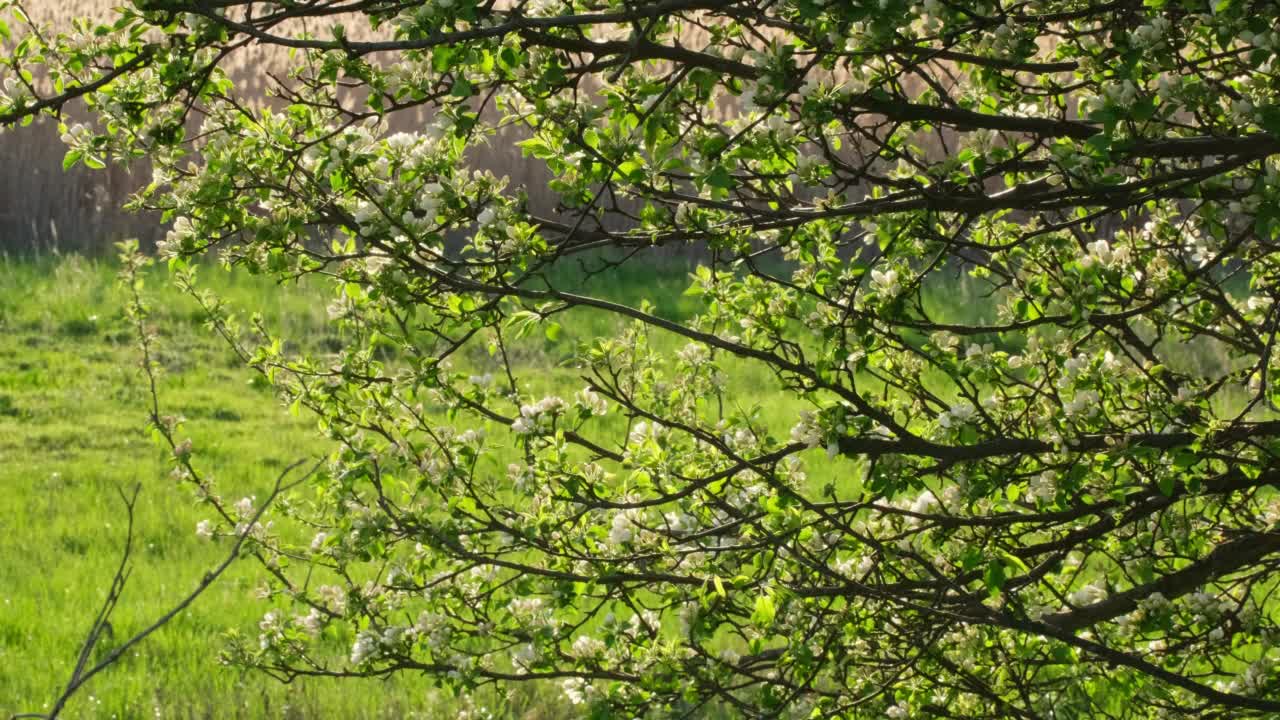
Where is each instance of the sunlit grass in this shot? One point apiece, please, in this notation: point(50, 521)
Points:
point(73, 404)
point(72, 434)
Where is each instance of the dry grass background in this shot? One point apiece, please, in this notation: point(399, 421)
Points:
point(45, 210)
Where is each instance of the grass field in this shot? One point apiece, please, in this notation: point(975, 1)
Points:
point(73, 405)
point(72, 433)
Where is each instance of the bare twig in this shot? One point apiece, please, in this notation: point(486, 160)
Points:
point(80, 675)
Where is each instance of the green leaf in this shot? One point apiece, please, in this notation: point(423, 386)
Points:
point(1184, 459)
point(764, 612)
point(508, 57)
point(461, 88)
point(1014, 561)
point(631, 170)
point(537, 147)
point(1026, 310)
point(720, 178)
point(995, 577)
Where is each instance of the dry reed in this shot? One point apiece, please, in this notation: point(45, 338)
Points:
point(44, 209)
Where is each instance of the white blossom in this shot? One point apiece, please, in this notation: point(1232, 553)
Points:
point(525, 656)
point(885, 281)
point(592, 401)
point(575, 689)
point(679, 523)
point(1085, 403)
point(1088, 595)
point(807, 164)
point(978, 352)
point(365, 213)
point(1151, 35)
point(311, 623)
point(694, 353)
point(944, 340)
point(622, 529)
point(1123, 93)
point(587, 647)
point(957, 415)
point(532, 416)
point(365, 646)
point(1042, 487)
point(807, 431)
point(333, 597)
point(402, 141)
point(779, 126)
point(1254, 678)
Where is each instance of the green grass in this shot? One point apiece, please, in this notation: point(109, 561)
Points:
point(72, 434)
point(73, 405)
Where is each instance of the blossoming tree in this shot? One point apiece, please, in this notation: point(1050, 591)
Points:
point(1058, 502)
